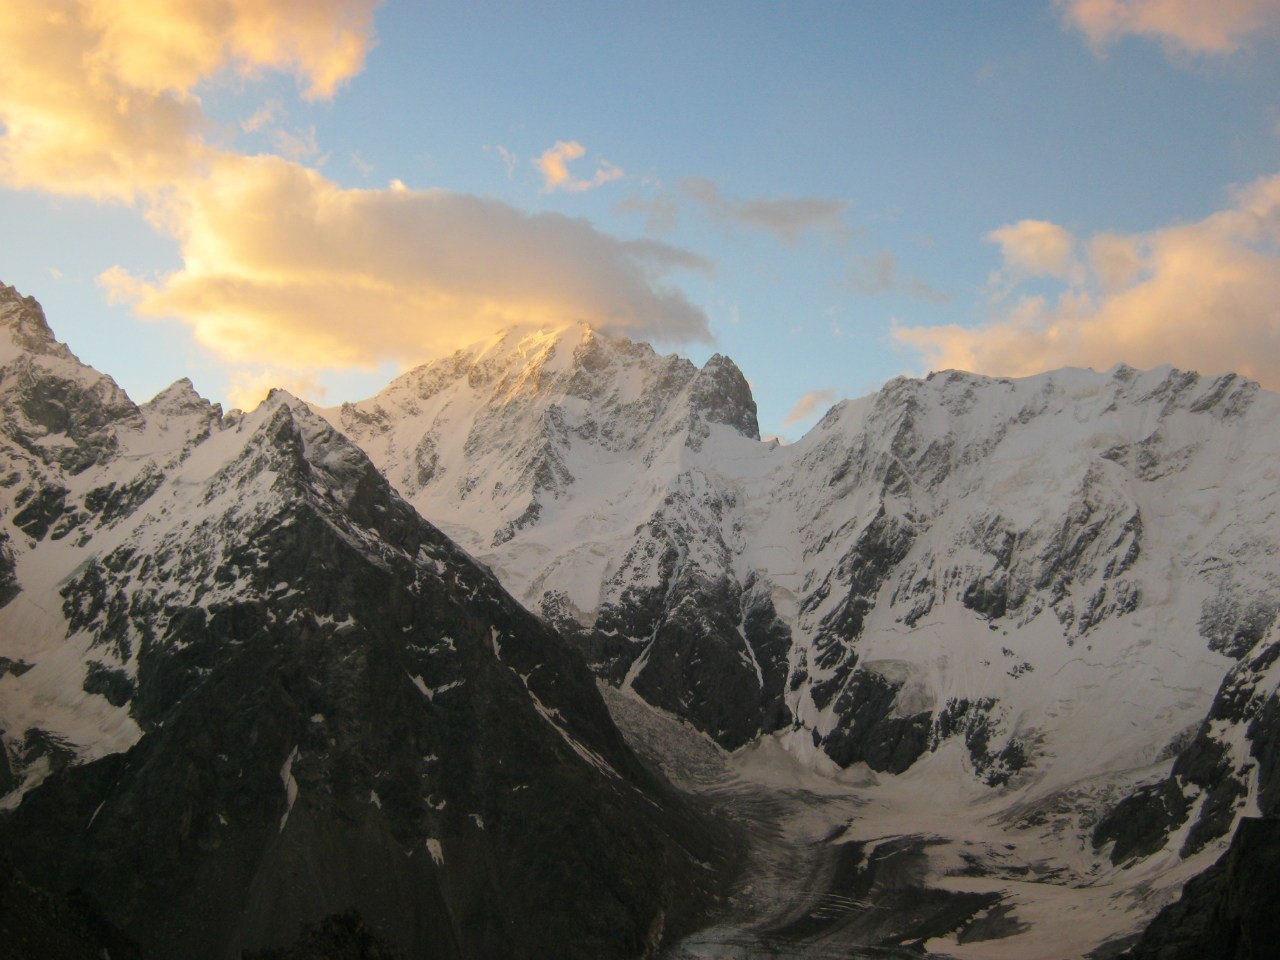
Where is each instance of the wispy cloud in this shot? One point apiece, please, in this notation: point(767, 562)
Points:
point(661, 213)
point(297, 144)
point(1187, 26)
point(361, 164)
point(880, 274)
point(807, 405)
point(1199, 295)
point(553, 164)
point(784, 217)
point(263, 117)
point(509, 160)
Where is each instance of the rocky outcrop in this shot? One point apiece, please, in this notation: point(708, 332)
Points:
point(34, 923)
point(1232, 755)
point(1229, 911)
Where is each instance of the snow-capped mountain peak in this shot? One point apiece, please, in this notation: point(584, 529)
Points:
point(24, 329)
point(222, 638)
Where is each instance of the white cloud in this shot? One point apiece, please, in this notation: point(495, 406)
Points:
point(281, 262)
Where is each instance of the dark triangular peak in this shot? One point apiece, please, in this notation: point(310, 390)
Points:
point(722, 395)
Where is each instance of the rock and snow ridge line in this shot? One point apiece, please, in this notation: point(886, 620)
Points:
point(609, 492)
point(967, 581)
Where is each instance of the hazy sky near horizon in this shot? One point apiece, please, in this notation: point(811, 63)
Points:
point(318, 194)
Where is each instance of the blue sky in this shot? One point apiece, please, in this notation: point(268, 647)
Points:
point(831, 194)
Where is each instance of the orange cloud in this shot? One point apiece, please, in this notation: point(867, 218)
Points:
point(553, 164)
point(281, 262)
point(1116, 260)
point(250, 387)
point(1035, 248)
point(96, 96)
point(156, 46)
point(1192, 26)
point(807, 404)
point(1203, 296)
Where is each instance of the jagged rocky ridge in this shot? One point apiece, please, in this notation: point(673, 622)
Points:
point(248, 687)
point(627, 497)
point(1229, 911)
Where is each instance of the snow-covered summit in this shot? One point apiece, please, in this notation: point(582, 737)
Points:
point(179, 398)
point(510, 424)
point(227, 645)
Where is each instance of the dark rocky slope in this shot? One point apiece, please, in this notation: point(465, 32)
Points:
point(1229, 912)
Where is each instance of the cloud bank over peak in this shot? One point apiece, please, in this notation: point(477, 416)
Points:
point(281, 262)
point(1202, 295)
point(99, 99)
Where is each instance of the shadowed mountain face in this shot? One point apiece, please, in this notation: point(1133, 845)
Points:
point(322, 703)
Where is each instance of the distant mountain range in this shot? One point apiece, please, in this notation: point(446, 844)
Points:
point(245, 685)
